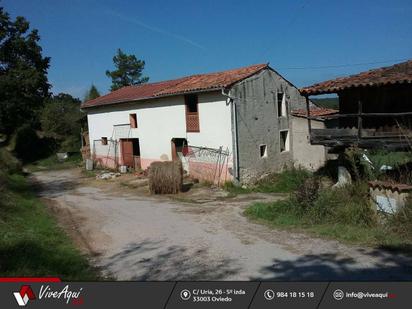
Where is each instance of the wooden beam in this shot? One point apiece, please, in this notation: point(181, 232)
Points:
point(337, 116)
point(359, 117)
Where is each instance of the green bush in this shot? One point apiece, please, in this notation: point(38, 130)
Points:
point(29, 147)
point(401, 222)
point(348, 205)
point(9, 163)
point(287, 181)
point(357, 166)
point(70, 144)
point(307, 193)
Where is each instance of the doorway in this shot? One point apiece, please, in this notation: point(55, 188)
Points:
point(130, 148)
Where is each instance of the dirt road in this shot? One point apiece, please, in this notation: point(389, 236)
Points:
point(133, 236)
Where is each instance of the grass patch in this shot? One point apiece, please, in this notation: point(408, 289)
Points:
point(53, 163)
point(390, 158)
point(89, 174)
point(234, 190)
point(31, 243)
point(274, 214)
point(344, 214)
point(285, 182)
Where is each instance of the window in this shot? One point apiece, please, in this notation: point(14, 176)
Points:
point(191, 103)
point(281, 104)
point(263, 151)
point(284, 141)
point(133, 121)
point(104, 140)
point(192, 114)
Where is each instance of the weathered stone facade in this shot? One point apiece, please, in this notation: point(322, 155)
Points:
point(258, 124)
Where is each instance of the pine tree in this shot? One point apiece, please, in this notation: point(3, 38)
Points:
point(128, 71)
point(92, 93)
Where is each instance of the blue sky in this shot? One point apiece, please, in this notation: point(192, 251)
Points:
point(178, 38)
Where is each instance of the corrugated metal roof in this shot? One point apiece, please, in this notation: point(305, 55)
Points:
point(194, 83)
point(396, 74)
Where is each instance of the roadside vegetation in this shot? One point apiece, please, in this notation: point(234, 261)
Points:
point(287, 181)
point(31, 243)
point(345, 213)
point(53, 163)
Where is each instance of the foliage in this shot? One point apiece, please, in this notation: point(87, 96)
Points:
point(327, 102)
point(91, 94)
point(61, 119)
point(229, 186)
point(53, 163)
point(401, 222)
point(342, 213)
point(35, 247)
point(307, 193)
point(359, 168)
point(9, 163)
point(128, 71)
point(23, 71)
point(286, 181)
point(391, 158)
point(29, 146)
point(400, 164)
point(348, 205)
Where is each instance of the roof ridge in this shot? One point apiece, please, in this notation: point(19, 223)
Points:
point(181, 85)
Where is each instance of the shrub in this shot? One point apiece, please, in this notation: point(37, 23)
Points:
point(307, 193)
point(165, 177)
point(70, 144)
point(9, 163)
point(287, 181)
point(357, 166)
point(29, 147)
point(346, 205)
point(401, 221)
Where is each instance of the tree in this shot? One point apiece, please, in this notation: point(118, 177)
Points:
point(61, 119)
point(23, 74)
point(128, 71)
point(92, 93)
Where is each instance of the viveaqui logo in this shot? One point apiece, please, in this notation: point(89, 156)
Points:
point(24, 295)
point(46, 292)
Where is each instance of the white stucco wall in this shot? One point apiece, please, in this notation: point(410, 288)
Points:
point(306, 155)
point(160, 120)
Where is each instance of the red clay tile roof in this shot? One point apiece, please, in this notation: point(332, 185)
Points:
point(396, 74)
point(390, 185)
point(193, 83)
point(319, 112)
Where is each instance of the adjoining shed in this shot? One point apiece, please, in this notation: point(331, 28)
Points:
point(374, 109)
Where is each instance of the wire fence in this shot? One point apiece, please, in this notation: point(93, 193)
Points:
point(208, 163)
point(106, 154)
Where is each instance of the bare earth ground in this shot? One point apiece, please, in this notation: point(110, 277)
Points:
point(198, 235)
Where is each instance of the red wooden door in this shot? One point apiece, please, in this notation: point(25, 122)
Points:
point(127, 152)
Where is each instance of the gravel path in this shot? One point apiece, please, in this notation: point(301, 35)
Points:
point(138, 237)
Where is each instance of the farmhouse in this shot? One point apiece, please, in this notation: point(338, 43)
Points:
point(231, 125)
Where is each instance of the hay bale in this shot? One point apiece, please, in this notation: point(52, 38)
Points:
point(165, 177)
